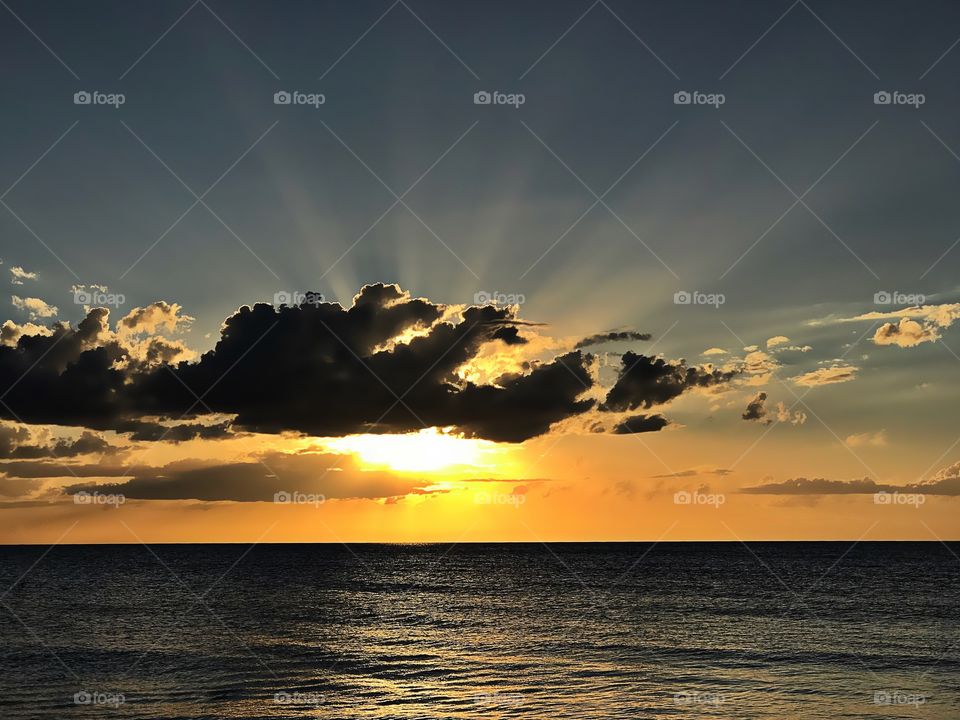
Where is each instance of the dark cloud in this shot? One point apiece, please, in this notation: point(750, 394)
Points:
point(329, 475)
point(755, 408)
point(15, 443)
point(646, 381)
point(612, 336)
point(317, 368)
point(153, 432)
point(509, 335)
point(942, 484)
point(640, 424)
point(693, 472)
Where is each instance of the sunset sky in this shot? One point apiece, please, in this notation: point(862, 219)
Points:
point(597, 313)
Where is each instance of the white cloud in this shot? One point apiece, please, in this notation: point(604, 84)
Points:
point(18, 275)
point(873, 439)
point(36, 307)
point(827, 376)
point(777, 340)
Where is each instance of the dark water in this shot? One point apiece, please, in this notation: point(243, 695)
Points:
point(482, 631)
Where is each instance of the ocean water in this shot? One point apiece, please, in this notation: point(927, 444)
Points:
point(769, 630)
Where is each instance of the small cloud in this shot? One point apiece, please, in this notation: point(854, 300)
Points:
point(827, 376)
point(35, 307)
point(755, 409)
point(865, 439)
point(715, 351)
point(907, 333)
point(695, 472)
point(18, 275)
point(640, 424)
point(612, 336)
point(784, 415)
point(777, 340)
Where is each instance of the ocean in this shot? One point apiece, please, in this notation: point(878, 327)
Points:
point(565, 630)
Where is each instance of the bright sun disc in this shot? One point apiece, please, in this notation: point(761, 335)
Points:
point(429, 450)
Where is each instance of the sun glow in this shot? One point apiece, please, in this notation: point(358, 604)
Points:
point(429, 450)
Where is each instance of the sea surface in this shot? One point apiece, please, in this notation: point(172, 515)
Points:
point(634, 630)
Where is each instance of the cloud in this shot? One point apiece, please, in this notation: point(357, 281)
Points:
point(319, 369)
point(827, 376)
point(784, 415)
point(645, 381)
point(18, 275)
point(714, 351)
point(755, 409)
point(153, 318)
point(910, 326)
point(907, 333)
point(694, 472)
point(946, 483)
point(640, 424)
point(874, 439)
point(258, 480)
point(614, 336)
point(11, 332)
point(777, 340)
point(17, 442)
point(35, 307)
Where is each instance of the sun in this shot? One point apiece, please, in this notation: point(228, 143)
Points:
point(432, 450)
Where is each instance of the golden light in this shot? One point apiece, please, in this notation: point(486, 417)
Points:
point(429, 450)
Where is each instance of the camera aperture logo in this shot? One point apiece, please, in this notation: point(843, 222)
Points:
point(884, 297)
point(686, 297)
point(297, 97)
point(495, 97)
point(94, 697)
point(695, 97)
point(896, 97)
point(95, 97)
point(296, 497)
point(97, 296)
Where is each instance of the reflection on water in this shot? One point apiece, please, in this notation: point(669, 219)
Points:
point(481, 631)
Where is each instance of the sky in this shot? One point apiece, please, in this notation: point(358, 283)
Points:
point(417, 271)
